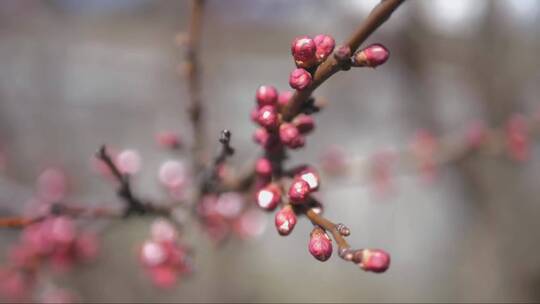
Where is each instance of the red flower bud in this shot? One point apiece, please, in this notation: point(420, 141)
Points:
point(267, 117)
point(320, 244)
point(269, 197)
point(290, 136)
point(300, 79)
point(266, 95)
point(374, 260)
point(324, 46)
point(299, 191)
point(311, 177)
point(371, 56)
point(285, 220)
point(284, 97)
point(304, 123)
point(303, 50)
point(263, 167)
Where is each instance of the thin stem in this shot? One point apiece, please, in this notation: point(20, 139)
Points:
point(133, 204)
point(194, 85)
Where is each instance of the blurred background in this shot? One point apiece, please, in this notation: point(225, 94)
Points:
point(75, 74)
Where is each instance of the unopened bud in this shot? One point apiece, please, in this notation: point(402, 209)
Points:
point(320, 244)
point(324, 46)
point(285, 220)
point(371, 56)
point(300, 79)
point(374, 260)
point(303, 50)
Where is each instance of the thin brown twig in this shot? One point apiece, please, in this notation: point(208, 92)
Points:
point(196, 109)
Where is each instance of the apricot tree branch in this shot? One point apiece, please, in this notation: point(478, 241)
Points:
point(330, 66)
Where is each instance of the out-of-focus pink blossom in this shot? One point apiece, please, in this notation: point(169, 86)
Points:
point(162, 230)
point(477, 134)
point(381, 171)
point(168, 140)
point(424, 147)
point(52, 185)
point(251, 224)
point(334, 161)
point(229, 204)
point(128, 161)
point(517, 138)
point(173, 173)
point(15, 285)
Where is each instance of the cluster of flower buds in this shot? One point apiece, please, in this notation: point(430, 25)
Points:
point(55, 240)
point(226, 214)
point(163, 256)
point(274, 133)
point(307, 53)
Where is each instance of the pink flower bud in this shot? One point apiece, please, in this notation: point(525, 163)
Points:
point(320, 244)
point(300, 79)
point(343, 54)
point(371, 56)
point(284, 97)
point(374, 260)
point(269, 197)
point(285, 220)
point(311, 177)
point(299, 191)
point(263, 167)
point(266, 95)
point(173, 174)
point(267, 117)
point(304, 123)
point(303, 50)
point(128, 161)
point(168, 140)
point(290, 136)
point(517, 138)
point(324, 46)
